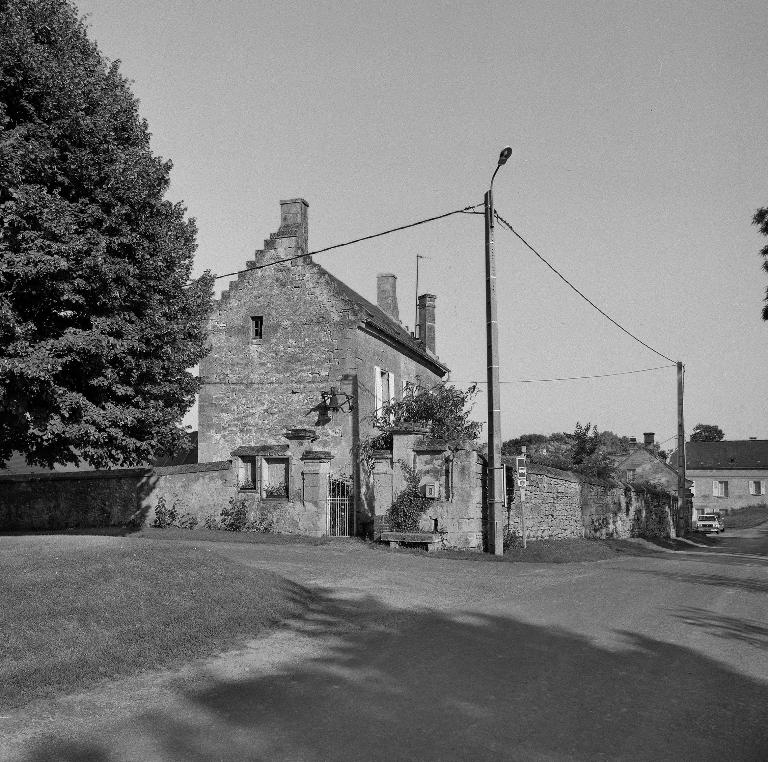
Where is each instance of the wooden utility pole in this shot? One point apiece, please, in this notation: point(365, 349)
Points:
point(682, 501)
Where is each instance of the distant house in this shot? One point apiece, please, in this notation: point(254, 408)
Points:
point(727, 474)
point(643, 464)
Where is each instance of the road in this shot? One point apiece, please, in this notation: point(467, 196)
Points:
point(404, 657)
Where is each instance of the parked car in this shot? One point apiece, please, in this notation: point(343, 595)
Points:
point(709, 522)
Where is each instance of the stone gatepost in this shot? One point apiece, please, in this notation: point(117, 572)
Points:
point(404, 439)
point(382, 490)
point(316, 468)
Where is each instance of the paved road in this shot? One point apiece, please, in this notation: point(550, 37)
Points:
point(408, 657)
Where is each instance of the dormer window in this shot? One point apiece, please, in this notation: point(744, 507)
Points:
point(257, 327)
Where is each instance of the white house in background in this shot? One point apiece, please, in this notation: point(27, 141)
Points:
point(728, 474)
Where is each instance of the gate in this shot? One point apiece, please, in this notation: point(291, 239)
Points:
point(339, 507)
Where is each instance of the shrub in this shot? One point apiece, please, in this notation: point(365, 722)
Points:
point(262, 522)
point(409, 505)
point(164, 516)
point(235, 516)
point(187, 521)
point(211, 522)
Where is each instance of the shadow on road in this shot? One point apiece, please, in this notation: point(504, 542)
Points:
point(744, 584)
point(749, 631)
point(402, 684)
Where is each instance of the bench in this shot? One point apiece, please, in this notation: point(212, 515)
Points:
point(428, 540)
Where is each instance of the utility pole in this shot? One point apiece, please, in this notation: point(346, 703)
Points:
point(495, 497)
point(682, 502)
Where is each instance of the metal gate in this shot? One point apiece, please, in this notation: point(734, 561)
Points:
point(339, 507)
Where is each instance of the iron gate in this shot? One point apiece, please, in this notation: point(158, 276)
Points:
point(339, 507)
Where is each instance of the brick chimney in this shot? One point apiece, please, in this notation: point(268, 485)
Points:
point(386, 294)
point(294, 223)
point(426, 325)
point(649, 437)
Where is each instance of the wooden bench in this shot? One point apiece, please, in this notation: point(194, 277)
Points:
point(427, 540)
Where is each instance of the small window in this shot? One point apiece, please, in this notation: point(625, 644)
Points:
point(756, 487)
point(720, 489)
point(274, 477)
point(257, 327)
point(631, 474)
point(250, 474)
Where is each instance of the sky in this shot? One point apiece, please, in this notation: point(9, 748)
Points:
point(638, 132)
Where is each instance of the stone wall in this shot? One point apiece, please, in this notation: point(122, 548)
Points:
point(129, 497)
point(316, 334)
point(561, 504)
point(458, 514)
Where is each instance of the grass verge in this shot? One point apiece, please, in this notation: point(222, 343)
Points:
point(748, 517)
point(78, 609)
point(544, 552)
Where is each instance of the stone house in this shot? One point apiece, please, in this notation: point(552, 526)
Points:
point(643, 464)
point(299, 363)
point(728, 474)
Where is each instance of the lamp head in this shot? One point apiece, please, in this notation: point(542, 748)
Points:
point(504, 155)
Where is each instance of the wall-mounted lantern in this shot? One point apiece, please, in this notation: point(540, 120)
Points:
point(335, 400)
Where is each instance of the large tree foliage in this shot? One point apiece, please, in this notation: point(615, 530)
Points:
point(97, 322)
point(761, 220)
point(706, 432)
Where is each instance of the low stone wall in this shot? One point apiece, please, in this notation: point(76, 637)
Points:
point(117, 497)
point(129, 497)
point(562, 504)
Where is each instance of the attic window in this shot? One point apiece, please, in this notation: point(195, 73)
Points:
point(257, 327)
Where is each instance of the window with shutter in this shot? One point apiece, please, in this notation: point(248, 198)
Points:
point(377, 390)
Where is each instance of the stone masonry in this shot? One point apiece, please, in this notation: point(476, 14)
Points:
point(282, 339)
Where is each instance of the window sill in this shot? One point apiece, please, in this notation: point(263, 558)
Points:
point(257, 341)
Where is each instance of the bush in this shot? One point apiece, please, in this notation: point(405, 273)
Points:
point(409, 505)
point(211, 522)
point(187, 521)
point(234, 518)
point(164, 516)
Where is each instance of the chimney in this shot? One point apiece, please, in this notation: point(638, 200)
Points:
point(294, 223)
point(427, 321)
point(648, 438)
point(386, 294)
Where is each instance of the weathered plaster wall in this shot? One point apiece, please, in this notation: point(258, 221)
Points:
point(459, 513)
point(130, 496)
point(738, 489)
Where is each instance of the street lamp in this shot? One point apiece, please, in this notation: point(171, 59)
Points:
point(495, 482)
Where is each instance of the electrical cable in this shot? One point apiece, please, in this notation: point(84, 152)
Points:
point(349, 243)
point(572, 378)
point(583, 296)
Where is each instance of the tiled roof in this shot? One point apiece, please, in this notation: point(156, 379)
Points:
point(378, 318)
point(743, 453)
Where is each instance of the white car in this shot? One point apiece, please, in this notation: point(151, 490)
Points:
point(709, 522)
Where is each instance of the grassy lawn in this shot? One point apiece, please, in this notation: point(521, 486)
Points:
point(747, 517)
point(80, 609)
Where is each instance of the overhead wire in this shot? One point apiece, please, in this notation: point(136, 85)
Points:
point(580, 293)
point(463, 210)
point(572, 378)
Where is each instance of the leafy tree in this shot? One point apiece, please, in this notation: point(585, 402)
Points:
point(586, 450)
point(705, 432)
point(443, 410)
point(761, 220)
point(98, 324)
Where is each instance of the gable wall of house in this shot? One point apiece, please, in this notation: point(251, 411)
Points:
point(648, 468)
